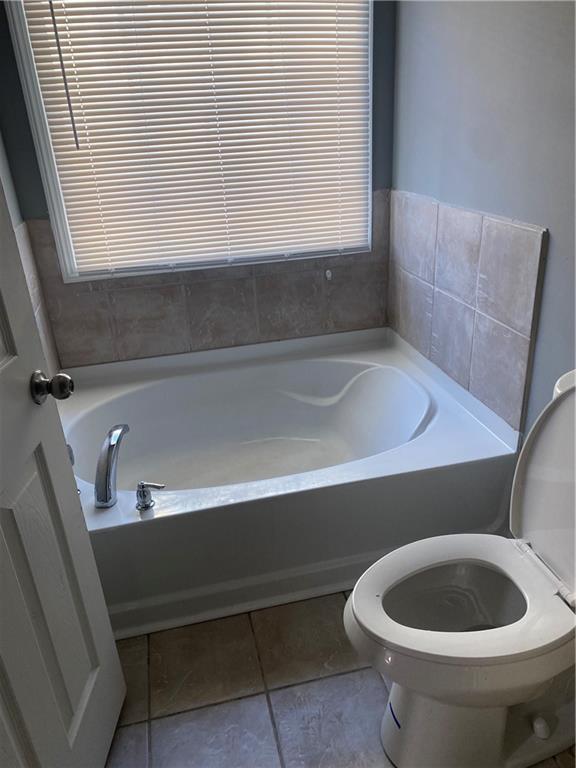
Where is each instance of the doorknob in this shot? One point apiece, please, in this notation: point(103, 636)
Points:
point(60, 386)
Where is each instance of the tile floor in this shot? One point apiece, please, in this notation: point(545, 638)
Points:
point(276, 688)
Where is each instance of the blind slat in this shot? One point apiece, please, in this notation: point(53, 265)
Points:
point(206, 131)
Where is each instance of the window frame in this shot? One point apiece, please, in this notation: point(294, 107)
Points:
point(39, 126)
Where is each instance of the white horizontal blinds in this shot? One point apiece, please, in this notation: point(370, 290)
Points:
point(207, 130)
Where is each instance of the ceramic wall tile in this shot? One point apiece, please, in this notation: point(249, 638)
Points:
point(509, 266)
point(82, 326)
point(221, 313)
point(487, 272)
point(413, 223)
point(29, 265)
point(47, 339)
point(491, 265)
point(458, 252)
point(452, 329)
point(411, 308)
point(355, 297)
point(149, 321)
point(184, 310)
point(44, 247)
point(499, 367)
point(290, 305)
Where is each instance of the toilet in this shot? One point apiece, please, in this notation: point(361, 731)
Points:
point(474, 633)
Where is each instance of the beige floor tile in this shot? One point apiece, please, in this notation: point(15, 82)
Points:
point(565, 759)
point(203, 664)
point(333, 722)
point(303, 641)
point(129, 748)
point(133, 652)
point(236, 734)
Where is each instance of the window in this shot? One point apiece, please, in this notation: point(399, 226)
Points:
point(174, 134)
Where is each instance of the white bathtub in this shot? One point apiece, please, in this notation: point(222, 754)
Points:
point(289, 467)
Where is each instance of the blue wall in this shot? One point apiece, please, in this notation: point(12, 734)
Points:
point(484, 119)
point(15, 131)
point(474, 107)
point(383, 64)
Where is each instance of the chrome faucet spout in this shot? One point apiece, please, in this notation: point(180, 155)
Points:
point(105, 483)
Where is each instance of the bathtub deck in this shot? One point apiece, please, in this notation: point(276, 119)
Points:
point(462, 430)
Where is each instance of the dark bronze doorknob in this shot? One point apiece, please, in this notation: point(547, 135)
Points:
point(60, 386)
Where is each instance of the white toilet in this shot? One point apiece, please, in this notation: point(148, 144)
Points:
point(476, 631)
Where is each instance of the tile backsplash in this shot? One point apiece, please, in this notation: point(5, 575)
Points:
point(463, 290)
point(458, 285)
point(37, 297)
point(124, 318)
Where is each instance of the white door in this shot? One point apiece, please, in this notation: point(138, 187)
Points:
point(61, 686)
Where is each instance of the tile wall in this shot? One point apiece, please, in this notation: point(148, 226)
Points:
point(460, 286)
point(133, 317)
point(463, 291)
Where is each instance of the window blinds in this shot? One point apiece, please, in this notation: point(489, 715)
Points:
point(199, 132)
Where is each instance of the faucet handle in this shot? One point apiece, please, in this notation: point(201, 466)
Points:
point(144, 498)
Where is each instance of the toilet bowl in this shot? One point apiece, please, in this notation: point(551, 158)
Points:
point(472, 630)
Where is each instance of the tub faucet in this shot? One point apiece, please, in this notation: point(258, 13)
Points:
point(105, 484)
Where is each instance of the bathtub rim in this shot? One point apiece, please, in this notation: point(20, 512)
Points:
point(356, 343)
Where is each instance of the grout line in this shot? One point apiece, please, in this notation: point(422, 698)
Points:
point(455, 298)
point(322, 677)
point(267, 694)
point(134, 722)
point(184, 298)
point(478, 265)
point(471, 356)
point(275, 730)
point(473, 344)
point(149, 740)
point(259, 693)
point(503, 325)
point(266, 690)
point(206, 706)
point(434, 267)
point(459, 300)
point(149, 703)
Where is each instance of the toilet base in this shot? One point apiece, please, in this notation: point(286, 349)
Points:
point(420, 732)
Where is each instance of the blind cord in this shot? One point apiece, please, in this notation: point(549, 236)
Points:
point(64, 78)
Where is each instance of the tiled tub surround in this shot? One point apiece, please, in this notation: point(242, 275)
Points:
point(124, 318)
point(463, 290)
point(276, 687)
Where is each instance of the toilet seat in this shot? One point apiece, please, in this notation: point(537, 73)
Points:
point(539, 562)
point(548, 622)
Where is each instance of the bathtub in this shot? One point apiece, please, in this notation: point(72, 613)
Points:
point(289, 468)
